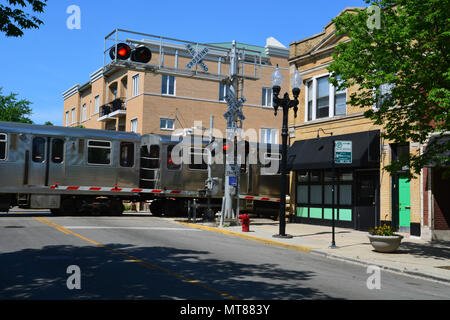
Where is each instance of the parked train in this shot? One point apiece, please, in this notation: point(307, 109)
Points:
point(85, 171)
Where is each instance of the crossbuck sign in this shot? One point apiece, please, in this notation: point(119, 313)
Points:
point(197, 56)
point(234, 107)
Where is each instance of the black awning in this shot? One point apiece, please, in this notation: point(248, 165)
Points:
point(317, 153)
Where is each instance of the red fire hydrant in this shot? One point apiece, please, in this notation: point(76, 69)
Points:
point(245, 221)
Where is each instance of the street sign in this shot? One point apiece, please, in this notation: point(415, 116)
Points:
point(232, 181)
point(343, 152)
point(197, 56)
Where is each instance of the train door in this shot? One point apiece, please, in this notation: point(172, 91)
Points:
point(150, 164)
point(46, 163)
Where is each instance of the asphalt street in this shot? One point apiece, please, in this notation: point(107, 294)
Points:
point(144, 257)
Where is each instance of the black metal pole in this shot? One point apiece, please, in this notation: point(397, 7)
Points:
point(333, 190)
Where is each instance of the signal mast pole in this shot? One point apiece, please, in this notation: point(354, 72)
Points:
point(234, 118)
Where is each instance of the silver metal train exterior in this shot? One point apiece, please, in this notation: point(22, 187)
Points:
point(87, 171)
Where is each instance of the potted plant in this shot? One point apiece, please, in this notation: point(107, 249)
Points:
point(383, 239)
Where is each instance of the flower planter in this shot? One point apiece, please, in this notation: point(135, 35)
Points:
point(385, 243)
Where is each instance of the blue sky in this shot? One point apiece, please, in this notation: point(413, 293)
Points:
point(45, 62)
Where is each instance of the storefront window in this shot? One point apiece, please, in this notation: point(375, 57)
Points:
point(302, 176)
point(316, 176)
point(345, 194)
point(302, 194)
point(316, 194)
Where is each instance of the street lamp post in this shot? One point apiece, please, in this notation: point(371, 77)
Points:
point(285, 103)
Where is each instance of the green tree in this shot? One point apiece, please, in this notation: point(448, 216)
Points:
point(48, 123)
point(14, 110)
point(13, 18)
point(401, 68)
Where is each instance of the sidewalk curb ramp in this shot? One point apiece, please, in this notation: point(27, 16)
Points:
point(317, 252)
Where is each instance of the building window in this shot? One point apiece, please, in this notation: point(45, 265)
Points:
point(3, 145)
point(99, 152)
point(384, 93)
point(83, 114)
point(267, 97)
point(309, 88)
point(134, 124)
point(126, 154)
point(223, 91)
point(97, 104)
point(67, 119)
point(269, 135)
point(135, 85)
point(340, 101)
point(323, 98)
point(168, 85)
point(73, 115)
point(166, 124)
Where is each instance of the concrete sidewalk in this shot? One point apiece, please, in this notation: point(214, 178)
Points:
point(415, 257)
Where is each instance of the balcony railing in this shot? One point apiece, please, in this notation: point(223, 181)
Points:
point(113, 109)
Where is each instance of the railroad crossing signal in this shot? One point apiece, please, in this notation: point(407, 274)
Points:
point(125, 52)
point(234, 107)
point(197, 56)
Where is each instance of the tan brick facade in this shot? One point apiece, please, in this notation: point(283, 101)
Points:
point(311, 57)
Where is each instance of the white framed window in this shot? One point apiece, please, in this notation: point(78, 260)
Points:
point(168, 85)
point(385, 92)
point(269, 135)
point(97, 104)
point(135, 85)
point(323, 100)
point(83, 112)
point(267, 97)
point(73, 115)
point(3, 146)
point(67, 118)
point(166, 124)
point(134, 124)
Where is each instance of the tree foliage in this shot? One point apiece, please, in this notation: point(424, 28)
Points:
point(13, 18)
point(14, 110)
point(409, 56)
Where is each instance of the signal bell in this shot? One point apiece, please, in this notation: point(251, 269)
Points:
point(139, 54)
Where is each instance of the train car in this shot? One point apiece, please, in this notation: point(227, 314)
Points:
point(35, 159)
point(86, 171)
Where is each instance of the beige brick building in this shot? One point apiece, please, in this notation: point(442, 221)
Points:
point(365, 194)
point(145, 102)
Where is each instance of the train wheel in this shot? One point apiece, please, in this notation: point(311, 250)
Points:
point(116, 207)
point(157, 208)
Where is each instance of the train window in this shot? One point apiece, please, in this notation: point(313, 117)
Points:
point(38, 154)
point(170, 164)
point(99, 152)
point(57, 150)
point(3, 146)
point(197, 161)
point(126, 154)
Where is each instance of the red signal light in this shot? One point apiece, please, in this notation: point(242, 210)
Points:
point(123, 51)
point(225, 147)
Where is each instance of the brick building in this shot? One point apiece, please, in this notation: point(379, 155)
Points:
point(145, 102)
point(366, 195)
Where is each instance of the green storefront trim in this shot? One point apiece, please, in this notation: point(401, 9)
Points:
point(316, 213)
point(345, 214)
point(302, 212)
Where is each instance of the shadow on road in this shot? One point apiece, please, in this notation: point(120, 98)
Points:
point(106, 274)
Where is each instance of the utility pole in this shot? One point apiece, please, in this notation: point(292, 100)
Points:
point(234, 118)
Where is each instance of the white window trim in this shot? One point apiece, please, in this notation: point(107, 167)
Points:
point(131, 125)
point(275, 132)
point(167, 129)
point(135, 81)
point(73, 111)
point(84, 112)
point(97, 104)
point(331, 96)
point(270, 104)
point(67, 119)
point(174, 86)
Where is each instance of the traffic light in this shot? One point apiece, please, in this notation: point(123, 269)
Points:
point(124, 52)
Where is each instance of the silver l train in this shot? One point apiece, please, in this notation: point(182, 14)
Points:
point(84, 171)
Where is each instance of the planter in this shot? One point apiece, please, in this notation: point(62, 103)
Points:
point(385, 243)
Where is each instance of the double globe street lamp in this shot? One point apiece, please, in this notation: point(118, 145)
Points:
point(285, 103)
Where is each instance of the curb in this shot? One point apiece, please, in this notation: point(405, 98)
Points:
point(249, 237)
point(406, 272)
point(319, 253)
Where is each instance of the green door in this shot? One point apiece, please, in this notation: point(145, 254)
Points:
point(404, 202)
